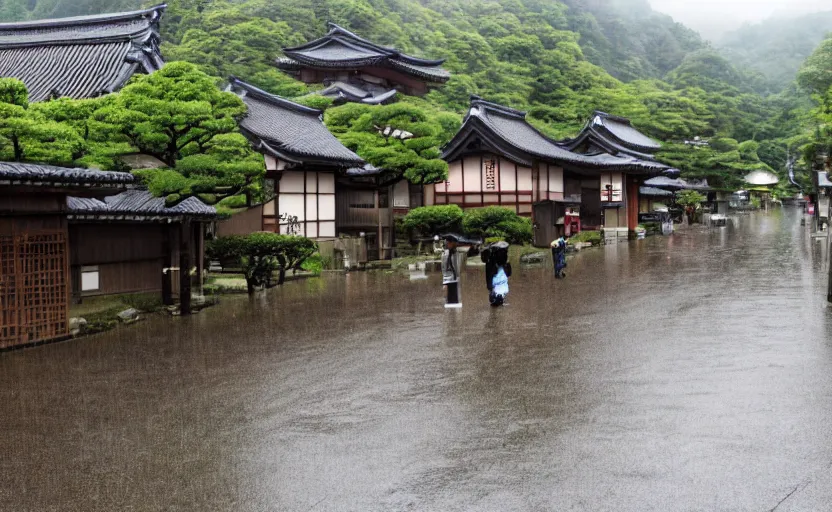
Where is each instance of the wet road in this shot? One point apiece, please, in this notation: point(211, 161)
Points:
point(683, 373)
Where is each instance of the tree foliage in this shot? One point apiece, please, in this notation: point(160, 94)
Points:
point(261, 254)
point(182, 118)
point(434, 220)
point(497, 221)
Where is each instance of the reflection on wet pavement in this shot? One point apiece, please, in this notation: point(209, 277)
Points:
point(684, 373)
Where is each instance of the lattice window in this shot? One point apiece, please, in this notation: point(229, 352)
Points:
point(34, 291)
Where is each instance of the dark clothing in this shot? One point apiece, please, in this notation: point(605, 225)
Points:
point(559, 258)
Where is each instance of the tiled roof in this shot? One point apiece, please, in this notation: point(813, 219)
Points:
point(615, 135)
point(139, 203)
point(653, 191)
point(677, 183)
point(507, 131)
point(81, 57)
point(48, 175)
point(622, 130)
point(290, 131)
point(343, 91)
point(343, 49)
point(366, 170)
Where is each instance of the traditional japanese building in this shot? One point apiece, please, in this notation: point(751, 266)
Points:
point(498, 158)
point(355, 69)
point(81, 57)
point(615, 136)
point(303, 160)
point(133, 242)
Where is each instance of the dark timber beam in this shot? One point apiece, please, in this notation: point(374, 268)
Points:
point(185, 236)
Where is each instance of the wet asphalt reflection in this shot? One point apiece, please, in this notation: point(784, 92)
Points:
point(692, 372)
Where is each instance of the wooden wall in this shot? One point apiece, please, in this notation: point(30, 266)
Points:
point(242, 223)
point(129, 257)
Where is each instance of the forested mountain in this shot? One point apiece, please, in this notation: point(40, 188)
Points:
point(16, 10)
point(777, 47)
point(557, 59)
point(629, 39)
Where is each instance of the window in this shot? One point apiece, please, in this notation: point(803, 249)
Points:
point(611, 185)
point(89, 279)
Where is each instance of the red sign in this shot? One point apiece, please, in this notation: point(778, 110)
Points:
point(810, 209)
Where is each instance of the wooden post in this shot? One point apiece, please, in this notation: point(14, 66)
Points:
point(380, 229)
point(632, 202)
point(185, 267)
point(391, 221)
point(167, 263)
point(828, 249)
point(199, 236)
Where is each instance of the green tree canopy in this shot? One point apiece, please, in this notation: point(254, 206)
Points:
point(181, 117)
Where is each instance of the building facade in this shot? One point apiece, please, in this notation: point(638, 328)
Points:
point(498, 159)
point(355, 69)
point(302, 159)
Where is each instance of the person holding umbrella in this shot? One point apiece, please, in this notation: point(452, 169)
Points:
point(559, 257)
point(451, 264)
point(497, 272)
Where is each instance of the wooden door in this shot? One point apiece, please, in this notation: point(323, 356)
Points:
point(544, 223)
point(34, 293)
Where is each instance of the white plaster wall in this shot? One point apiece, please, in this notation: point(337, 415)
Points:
point(507, 180)
point(292, 181)
point(454, 178)
point(472, 173)
point(524, 178)
point(555, 179)
point(326, 181)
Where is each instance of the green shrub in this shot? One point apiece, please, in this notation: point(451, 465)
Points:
point(146, 302)
point(226, 249)
point(260, 254)
point(690, 198)
point(496, 221)
point(434, 220)
point(593, 237)
point(314, 264)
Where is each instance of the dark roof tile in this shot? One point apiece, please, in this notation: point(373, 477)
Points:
point(81, 57)
point(340, 48)
point(509, 126)
point(293, 131)
point(48, 174)
point(139, 203)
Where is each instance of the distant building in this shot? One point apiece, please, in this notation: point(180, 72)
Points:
point(615, 136)
point(75, 233)
point(81, 57)
point(302, 161)
point(498, 158)
point(355, 69)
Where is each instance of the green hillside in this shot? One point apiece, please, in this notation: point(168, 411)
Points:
point(777, 47)
point(558, 60)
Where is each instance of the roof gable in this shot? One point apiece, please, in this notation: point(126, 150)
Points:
point(614, 135)
point(140, 203)
point(341, 48)
point(507, 132)
point(290, 131)
point(81, 57)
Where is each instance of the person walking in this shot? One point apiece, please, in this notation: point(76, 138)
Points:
point(559, 257)
point(497, 272)
point(451, 261)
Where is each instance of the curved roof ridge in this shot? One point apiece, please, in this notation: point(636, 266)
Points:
point(335, 30)
point(260, 94)
point(75, 21)
point(490, 105)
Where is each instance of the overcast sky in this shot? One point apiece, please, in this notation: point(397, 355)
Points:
point(714, 17)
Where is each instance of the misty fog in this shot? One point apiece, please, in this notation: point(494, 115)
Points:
point(712, 18)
